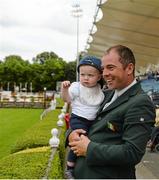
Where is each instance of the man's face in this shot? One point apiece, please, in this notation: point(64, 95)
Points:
point(116, 76)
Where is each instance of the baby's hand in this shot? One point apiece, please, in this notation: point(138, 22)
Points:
point(66, 84)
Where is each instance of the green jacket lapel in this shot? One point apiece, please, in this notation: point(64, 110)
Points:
point(108, 97)
point(121, 99)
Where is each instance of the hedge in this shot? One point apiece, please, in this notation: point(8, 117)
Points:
point(32, 151)
point(27, 164)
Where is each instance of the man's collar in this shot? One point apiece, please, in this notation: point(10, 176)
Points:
point(120, 92)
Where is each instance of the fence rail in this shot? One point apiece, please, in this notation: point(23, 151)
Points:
point(24, 104)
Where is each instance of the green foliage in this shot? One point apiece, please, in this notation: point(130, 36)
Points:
point(42, 57)
point(13, 123)
point(53, 72)
point(14, 69)
point(56, 169)
point(28, 164)
point(31, 163)
point(62, 149)
point(70, 71)
point(59, 102)
point(39, 134)
point(37, 76)
point(46, 69)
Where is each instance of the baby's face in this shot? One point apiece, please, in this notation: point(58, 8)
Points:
point(89, 75)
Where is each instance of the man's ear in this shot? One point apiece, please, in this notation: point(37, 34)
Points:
point(130, 68)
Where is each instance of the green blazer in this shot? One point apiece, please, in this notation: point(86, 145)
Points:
point(118, 136)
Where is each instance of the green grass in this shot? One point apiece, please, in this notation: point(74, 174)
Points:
point(13, 123)
point(39, 134)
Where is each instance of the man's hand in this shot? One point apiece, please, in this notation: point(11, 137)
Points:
point(75, 135)
point(79, 147)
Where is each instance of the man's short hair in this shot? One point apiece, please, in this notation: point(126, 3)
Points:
point(125, 53)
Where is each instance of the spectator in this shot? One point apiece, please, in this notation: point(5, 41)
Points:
point(116, 142)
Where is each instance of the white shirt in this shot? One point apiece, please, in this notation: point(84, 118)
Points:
point(85, 101)
point(118, 93)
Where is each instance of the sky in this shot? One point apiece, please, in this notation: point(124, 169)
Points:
point(30, 27)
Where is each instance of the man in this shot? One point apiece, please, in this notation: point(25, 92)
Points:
point(117, 140)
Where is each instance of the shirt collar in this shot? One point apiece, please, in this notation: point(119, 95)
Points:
point(120, 92)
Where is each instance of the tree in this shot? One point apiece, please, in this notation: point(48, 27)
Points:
point(36, 76)
point(14, 70)
point(42, 57)
point(52, 69)
point(41, 73)
point(70, 71)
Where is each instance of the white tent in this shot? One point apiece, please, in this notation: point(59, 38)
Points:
point(134, 23)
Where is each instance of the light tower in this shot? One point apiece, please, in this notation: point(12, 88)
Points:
point(77, 13)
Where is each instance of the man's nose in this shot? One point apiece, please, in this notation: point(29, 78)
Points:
point(105, 72)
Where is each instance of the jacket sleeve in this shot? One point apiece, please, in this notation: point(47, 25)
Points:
point(138, 120)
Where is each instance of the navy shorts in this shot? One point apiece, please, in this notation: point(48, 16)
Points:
point(77, 122)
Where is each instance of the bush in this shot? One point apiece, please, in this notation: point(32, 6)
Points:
point(27, 164)
point(32, 163)
point(56, 171)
